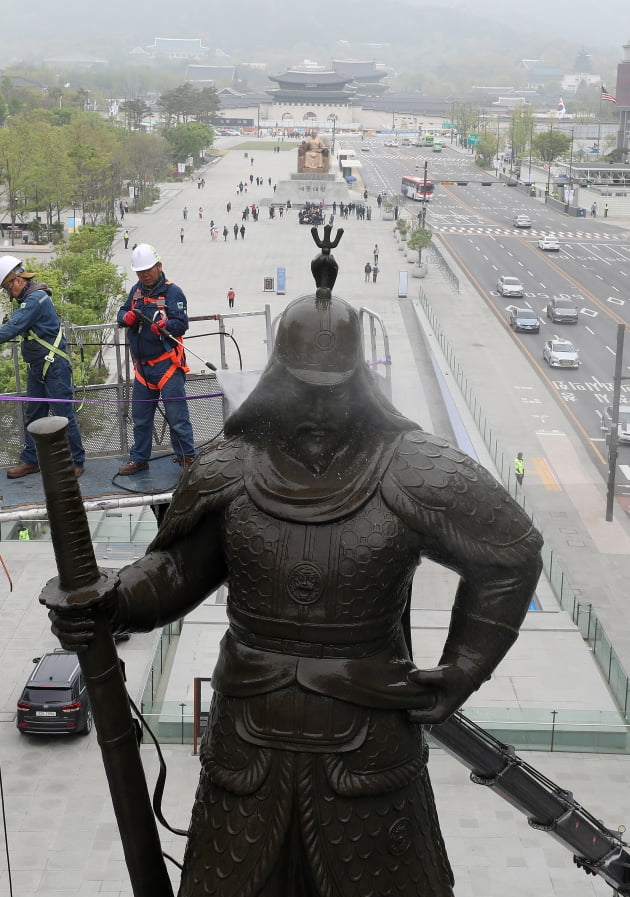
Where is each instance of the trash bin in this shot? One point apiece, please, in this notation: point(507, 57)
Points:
point(581, 213)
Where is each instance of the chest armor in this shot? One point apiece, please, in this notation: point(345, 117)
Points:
point(324, 578)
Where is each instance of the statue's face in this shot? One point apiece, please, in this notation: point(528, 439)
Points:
point(316, 421)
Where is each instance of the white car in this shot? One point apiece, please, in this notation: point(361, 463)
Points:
point(549, 244)
point(560, 353)
point(522, 221)
point(623, 430)
point(510, 286)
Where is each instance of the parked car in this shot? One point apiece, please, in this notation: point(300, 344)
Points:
point(560, 353)
point(549, 244)
point(522, 221)
point(562, 311)
point(54, 700)
point(510, 286)
point(524, 320)
point(623, 428)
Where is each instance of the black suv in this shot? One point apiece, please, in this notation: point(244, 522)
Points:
point(562, 311)
point(55, 700)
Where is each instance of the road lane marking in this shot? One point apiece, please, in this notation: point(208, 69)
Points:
point(546, 475)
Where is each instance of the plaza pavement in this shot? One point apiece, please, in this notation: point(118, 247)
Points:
point(60, 828)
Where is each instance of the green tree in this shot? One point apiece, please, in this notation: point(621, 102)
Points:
point(188, 139)
point(521, 130)
point(486, 150)
point(185, 103)
point(16, 158)
point(549, 145)
point(134, 111)
point(96, 166)
point(420, 239)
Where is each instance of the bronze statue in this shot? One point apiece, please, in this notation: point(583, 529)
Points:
point(313, 155)
point(316, 510)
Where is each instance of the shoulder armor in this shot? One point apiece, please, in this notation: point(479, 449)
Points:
point(439, 490)
point(214, 479)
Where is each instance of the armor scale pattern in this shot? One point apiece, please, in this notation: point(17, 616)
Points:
point(276, 569)
point(367, 819)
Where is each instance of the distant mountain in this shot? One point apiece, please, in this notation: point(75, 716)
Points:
point(413, 33)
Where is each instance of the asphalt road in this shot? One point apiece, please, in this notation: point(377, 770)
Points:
point(592, 268)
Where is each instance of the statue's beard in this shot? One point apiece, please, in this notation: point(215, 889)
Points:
point(315, 447)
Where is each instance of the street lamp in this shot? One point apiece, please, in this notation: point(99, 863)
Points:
point(549, 163)
point(570, 193)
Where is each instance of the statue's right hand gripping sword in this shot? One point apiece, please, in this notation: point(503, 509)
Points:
point(82, 587)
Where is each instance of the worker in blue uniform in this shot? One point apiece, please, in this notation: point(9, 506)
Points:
point(45, 351)
point(155, 315)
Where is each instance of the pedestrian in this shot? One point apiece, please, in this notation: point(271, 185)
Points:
point(235, 229)
point(323, 495)
point(594, 210)
point(156, 318)
point(242, 231)
point(126, 207)
point(121, 209)
point(368, 271)
point(225, 232)
point(126, 238)
point(181, 235)
point(605, 210)
point(375, 271)
point(375, 253)
point(48, 367)
point(229, 207)
point(185, 213)
point(23, 532)
point(519, 468)
point(200, 213)
point(231, 296)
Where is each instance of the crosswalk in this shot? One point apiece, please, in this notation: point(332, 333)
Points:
point(498, 230)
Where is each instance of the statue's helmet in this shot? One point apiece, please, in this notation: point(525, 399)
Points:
point(319, 340)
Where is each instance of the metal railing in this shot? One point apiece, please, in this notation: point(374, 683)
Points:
point(581, 613)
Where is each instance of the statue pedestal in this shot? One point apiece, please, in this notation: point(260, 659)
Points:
point(314, 188)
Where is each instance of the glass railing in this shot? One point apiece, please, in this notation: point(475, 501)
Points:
point(578, 731)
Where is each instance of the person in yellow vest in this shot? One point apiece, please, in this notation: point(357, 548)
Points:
point(519, 468)
point(45, 351)
point(155, 315)
point(23, 533)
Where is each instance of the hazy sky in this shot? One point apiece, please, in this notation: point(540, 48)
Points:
point(39, 28)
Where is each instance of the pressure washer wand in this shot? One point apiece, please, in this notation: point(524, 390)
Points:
point(177, 342)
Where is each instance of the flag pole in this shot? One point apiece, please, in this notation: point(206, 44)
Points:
point(599, 117)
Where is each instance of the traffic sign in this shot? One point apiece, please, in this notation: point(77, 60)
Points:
point(474, 139)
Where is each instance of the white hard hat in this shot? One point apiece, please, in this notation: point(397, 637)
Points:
point(144, 257)
point(8, 263)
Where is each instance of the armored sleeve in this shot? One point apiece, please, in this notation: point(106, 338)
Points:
point(185, 562)
point(469, 523)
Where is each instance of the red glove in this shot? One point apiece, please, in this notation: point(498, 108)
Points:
point(130, 318)
point(159, 327)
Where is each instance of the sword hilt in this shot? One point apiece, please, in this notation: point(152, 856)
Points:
point(70, 531)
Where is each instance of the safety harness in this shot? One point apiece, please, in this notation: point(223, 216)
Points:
point(176, 354)
point(53, 349)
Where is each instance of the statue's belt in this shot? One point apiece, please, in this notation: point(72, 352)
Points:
point(312, 639)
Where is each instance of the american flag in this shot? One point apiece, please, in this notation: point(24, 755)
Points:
point(607, 96)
